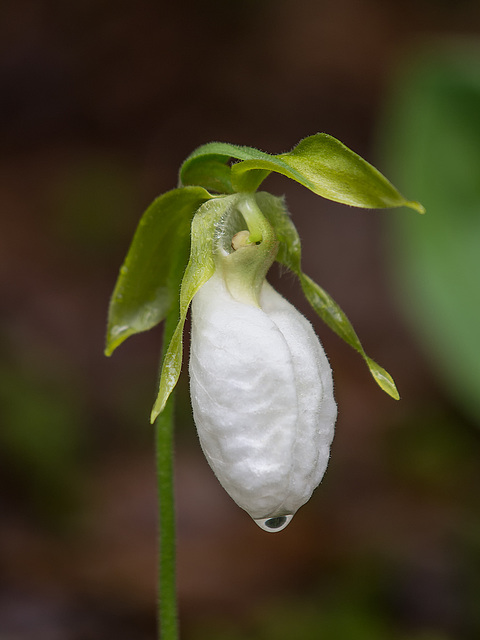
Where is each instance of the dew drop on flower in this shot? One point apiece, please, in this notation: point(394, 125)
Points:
point(277, 523)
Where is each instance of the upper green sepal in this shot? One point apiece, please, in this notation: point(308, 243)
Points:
point(211, 171)
point(207, 165)
point(150, 276)
point(320, 163)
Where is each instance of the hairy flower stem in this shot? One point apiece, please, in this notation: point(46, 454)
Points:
point(167, 603)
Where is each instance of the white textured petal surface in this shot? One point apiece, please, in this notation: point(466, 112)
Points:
point(262, 398)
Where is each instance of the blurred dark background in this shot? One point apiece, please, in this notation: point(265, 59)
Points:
point(99, 104)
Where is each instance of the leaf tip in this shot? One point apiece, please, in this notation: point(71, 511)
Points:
point(110, 345)
point(393, 392)
point(416, 206)
point(158, 407)
point(386, 383)
point(383, 379)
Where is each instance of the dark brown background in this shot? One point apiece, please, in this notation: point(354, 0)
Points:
point(100, 102)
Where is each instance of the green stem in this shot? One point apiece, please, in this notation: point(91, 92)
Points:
point(167, 603)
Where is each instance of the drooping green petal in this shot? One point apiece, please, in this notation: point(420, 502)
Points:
point(289, 255)
point(146, 283)
point(328, 168)
point(200, 268)
point(336, 319)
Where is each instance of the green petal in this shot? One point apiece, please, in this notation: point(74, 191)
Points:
point(148, 278)
point(200, 268)
point(332, 314)
point(289, 255)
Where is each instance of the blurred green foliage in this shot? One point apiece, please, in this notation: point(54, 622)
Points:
point(40, 441)
point(433, 452)
point(431, 141)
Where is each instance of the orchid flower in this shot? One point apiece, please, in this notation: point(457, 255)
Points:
point(261, 384)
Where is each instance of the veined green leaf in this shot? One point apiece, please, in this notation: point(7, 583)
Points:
point(328, 168)
point(200, 268)
point(289, 255)
point(146, 283)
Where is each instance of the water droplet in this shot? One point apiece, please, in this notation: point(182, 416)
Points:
point(272, 525)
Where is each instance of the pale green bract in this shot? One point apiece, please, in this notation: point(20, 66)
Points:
point(174, 246)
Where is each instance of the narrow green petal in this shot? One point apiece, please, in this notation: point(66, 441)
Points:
point(200, 268)
point(289, 255)
point(382, 378)
point(335, 318)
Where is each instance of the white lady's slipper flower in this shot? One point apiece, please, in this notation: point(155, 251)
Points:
point(262, 392)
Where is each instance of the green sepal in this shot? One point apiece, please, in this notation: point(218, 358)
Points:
point(149, 277)
point(207, 165)
point(289, 254)
point(327, 167)
point(200, 268)
point(320, 163)
point(211, 172)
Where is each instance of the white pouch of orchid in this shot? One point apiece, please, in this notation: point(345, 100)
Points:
point(261, 385)
point(262, 398)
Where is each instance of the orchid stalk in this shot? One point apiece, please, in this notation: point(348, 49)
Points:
point(261, 384)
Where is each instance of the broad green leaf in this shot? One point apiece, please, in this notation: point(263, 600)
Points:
point(200, 268)
point(144, 289)
point(328, 168)
point(289, 255)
